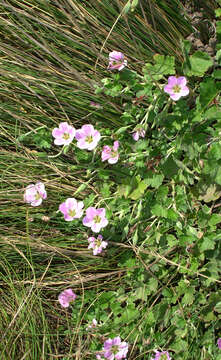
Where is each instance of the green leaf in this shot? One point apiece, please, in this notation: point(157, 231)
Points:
point(130, 313)
point(213, 113)
point(209, 316)
point(164, 65)
point(169, 167)
point(178, 346)
point(122, 129)
point(152, 284)
point(158, 210)
point(172, 215)
point(218, 12)
point(162, 192)
point(150, 319)
point(127, 75)
point(123, 190)
point(66, 148)
point(141, 293)
point(215, 152)
point(139, 191)
point(146, 91)
point(200, 62)
point(172, 240)
point(218, 176)
point(218, 56)
point(218, 27)
point(215, 219)
point(208, 92)
point(189, 296)
point(217, 308)
point(153, 179)
point(217, 74)
point(167, 293)
point(207, 244)
point(135, 237)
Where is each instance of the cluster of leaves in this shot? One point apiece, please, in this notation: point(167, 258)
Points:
point(163, 200)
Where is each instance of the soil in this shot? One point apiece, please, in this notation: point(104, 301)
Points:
point(203, 21)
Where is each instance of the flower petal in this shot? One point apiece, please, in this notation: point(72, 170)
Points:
point(181, 81)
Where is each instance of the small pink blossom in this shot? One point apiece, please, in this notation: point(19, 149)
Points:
point(71, 209)
point(87, 137)
point(92, 325)
point(161, 355)
point(95, 105)
point(176, 87)
point(99, 357)
point(110, 153)
point(95, 219)
point(97, 244)
point(219, 343)
point(64, 134)
point(114, 349)
point(139, 133)
point(66, 297)
point(35, 193)
point(116, 61)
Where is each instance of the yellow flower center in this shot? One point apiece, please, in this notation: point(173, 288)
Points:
point(114, 349)
point(163, 357)
point(97, 219)
point(98, 242)
point(72, 213)
point(37, 196)
point(114, 154)
point(66, 136)
point(89, 139)
point(176, 88)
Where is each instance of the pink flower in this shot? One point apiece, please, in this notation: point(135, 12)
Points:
point(139, 133)
point(219, 343)
point(35, 193)
point(176, 87)
point(66, 297)
point(116, 61)
point(114, 349)
point(97, 244)
point(87, 137)
point(99, 357)
point(71, 209)
point(64, 134)
point(92, 325)
point(110, 154)
point(95, 219)
point(161, 355)
point(95, 105)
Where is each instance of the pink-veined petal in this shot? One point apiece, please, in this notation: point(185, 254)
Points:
point(96, 227)
point(113, 160)
point(172, 81)
point(176, 96)
point(181, 81)
point(185, 91)
point(57, 132)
